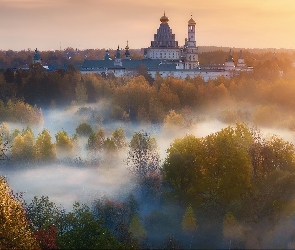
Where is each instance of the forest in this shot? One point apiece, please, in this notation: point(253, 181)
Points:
point(184, 164)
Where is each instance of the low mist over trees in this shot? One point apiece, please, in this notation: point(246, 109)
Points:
point(227, 184)
point(264, 96)
point(231, 188)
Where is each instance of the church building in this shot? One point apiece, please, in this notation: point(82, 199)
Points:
point(165, 57)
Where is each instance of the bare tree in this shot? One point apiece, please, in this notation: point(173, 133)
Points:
point(143, 158)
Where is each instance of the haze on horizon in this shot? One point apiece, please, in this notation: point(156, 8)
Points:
point(92, 24)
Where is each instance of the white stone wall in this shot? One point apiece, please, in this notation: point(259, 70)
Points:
point(228, 66)
point(206, 75)
point(166, 54)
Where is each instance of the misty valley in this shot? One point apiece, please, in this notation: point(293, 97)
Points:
point(95, 162)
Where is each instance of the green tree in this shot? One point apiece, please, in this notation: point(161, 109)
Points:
point(189, 223)
point(14, 228)
point(44, 213)
point(109, 145)
point(137, 229)
point(84, 129)
point(227, 163)
point(84, 232)
point(181, 170)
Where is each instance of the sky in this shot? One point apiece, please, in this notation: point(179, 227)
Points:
point(98, 24)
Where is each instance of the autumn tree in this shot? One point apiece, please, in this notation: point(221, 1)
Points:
point(44, 148)
point(64, 144)
point(47, 237)
point(96, 141)
point(81, 93)
point(14, 227)
point(119, 138)
point(23, 146)
point(109, 145)
point(218, 165)
point(134, 97)
point(174, 118)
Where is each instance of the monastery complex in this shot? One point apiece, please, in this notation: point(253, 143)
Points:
point(166, 57)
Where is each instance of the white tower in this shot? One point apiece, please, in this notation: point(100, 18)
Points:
point(241, 62)
point(191, 60)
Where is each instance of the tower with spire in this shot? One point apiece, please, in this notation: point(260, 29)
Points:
point(127, 53)
point(107, 56)
point(229, 64)
point(36, 58)
point(241, 62)
point(118, 61)
point(191, 58)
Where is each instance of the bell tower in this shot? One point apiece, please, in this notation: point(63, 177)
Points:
point(191, 60)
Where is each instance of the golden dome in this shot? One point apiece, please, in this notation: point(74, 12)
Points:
point(191, 22)
point(164, 19)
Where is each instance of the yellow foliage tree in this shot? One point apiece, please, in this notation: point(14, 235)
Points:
point(64, 144)
point(174, 119)
point(44, 148)
point(14, 230)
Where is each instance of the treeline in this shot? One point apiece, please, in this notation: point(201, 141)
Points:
point(23, 146)
point(76, 57)
point(43, 225)
point(19, 112)
point(241, 182)
point(262, 96)
point(230, 189)
point(58, 58)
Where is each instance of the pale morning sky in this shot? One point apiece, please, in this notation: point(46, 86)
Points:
point(91, 24)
